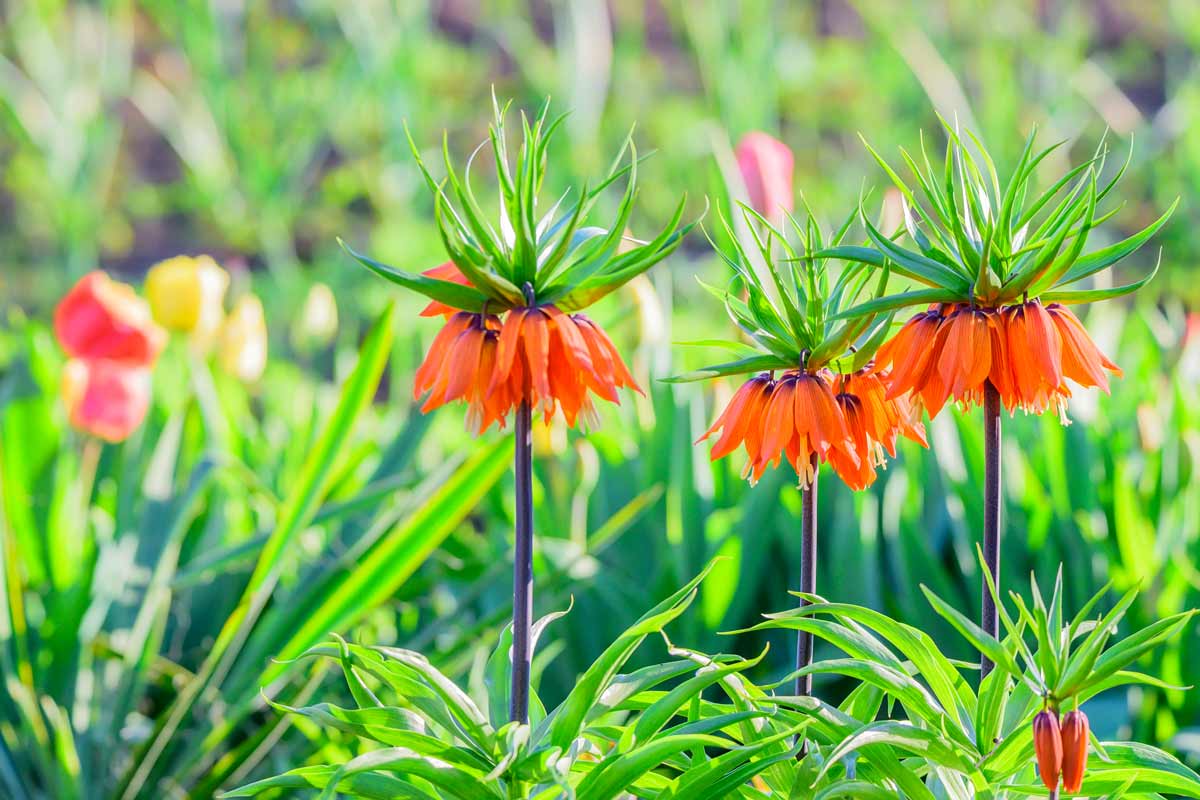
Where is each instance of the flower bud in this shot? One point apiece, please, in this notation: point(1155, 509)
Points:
point(766, 165)
point(317, 324)
point(243, 351)
point(187, 295)
point(101, 318)
point(108, 399)
point(1074, 749)
point(1047, 745)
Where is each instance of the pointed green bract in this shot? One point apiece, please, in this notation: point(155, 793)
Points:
point(552, 250)
point(972, 239)
point(781, 296)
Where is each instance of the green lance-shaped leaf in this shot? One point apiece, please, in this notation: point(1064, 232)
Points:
point(372, 786)
point(1139, 769)
point(615, 774)
point(916, 699)
point(1127, 651)
point(453, 780)
point(662, 710)
point(895, 302)
point(295, 515)
point(565, 723)
point(903, 736)
point(470, 719)
point(1101, 259)
point(743, 366)
point(1074, 296)
point(499, 669)
point(397, 555)
point(387, 725)
point(466, 298)
point(981, 640)
point(713, 777)
point(913, 644)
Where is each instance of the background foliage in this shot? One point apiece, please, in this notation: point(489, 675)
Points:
point(131, 131)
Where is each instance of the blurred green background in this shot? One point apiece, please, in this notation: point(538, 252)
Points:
point(260, 131)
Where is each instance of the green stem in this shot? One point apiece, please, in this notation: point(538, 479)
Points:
point(808, 575)
point(522, 567)
point(990, 621)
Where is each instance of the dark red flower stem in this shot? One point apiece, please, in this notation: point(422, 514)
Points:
point(991, 513)
point(522, 567)
point(808, 575)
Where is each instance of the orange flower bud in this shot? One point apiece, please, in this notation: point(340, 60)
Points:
point(1048, 746)
point(766, 165)
point(1074, 749)
point(101, 318)
point(105, 398)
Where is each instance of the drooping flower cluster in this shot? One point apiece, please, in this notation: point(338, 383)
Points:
point(537, 355)
point(112, 342)
point(1026, 351)
point(843, 420)
point(875, 422)
point(511, 292)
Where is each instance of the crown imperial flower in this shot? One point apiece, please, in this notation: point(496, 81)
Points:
point(821, 397)
point(999, 275)
point(511, 294)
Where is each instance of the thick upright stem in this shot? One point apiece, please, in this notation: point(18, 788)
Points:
point(522, 568)
point(808, 575)
point(991, 513)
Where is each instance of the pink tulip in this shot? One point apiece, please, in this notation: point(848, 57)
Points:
point(101, 318)
point(767, 165)
point(107, 399)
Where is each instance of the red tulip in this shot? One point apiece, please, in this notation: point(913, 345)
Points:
point(1047, 746)
point(105, 398)
point(101, 318)
point(767, 164)
point(1074, 749)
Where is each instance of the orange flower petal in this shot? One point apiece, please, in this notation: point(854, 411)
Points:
point(443, 272)
point(536, 338)
point(508, 346)
point(779, 426)
point(438, 352)
point(1082, 361)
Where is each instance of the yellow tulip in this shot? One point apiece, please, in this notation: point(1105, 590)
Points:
point(187, 294)
point(243, 350)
